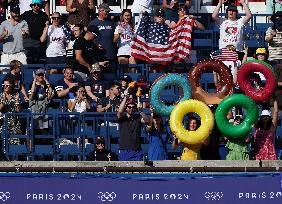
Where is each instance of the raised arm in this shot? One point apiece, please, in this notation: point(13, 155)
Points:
point(215, 14)
point(248, 13)
point(275, 116)
point(122, 105)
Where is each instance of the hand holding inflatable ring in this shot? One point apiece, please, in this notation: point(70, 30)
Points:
point(176, 121)
point(161, 83)
point(225, 82)
point(257, 66)
point(243, 128)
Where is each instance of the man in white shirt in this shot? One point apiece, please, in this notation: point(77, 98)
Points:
point(231, 27)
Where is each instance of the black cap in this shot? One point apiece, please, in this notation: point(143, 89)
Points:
point(232, 7)
point(93, 29)
point(126, 78)
point(160, 12)
point(100, 140)
point(15, 9)
point(276, 15)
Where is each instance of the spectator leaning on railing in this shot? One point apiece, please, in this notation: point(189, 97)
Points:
point(12, 32)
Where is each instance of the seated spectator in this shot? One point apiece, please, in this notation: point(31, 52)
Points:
point(261, 54)
point(65, 87)
point(10, 103)
point(123, 35)
point(40, 96)
point(95, 87)
point(56, 41)
point(15, 74)
point(80, 11)
point(125, 80)
point(130, 130)
point(100, 153)
point(12, 33)
point(80, 104)
point(85, 54)
point(111, 102)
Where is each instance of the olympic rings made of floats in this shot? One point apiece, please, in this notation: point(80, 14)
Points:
point(160, 84)
point(228, 103)
point(225, 81)
point(176, 121)
point(252, 66)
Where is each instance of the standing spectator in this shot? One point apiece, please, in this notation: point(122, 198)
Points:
point(85, 53)
point(111, 102)
point(130, 130)
point(12, 32)
point(264, 135)
point(40, 96)
point(25, 5)
point(105, 34)
point(95, 87)
point(272, 6)
point(56, 41)
point(123, 35)
point(66, 87)
point(158, 138)
point(140, 6)
point(231, 28)
point(100, 153)
point(80, 11)
point(80, 104)
point(15, 75)
point(10, 103)
point(37, 21)
point(124, 81)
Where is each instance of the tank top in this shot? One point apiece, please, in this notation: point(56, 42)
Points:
point(81, 15)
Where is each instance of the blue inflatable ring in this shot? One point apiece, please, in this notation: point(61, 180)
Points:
point(160, 84)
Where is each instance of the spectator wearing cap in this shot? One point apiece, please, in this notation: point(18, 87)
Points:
point(124, 35)
point(110, 103)
point(40, 95)
point(37, 21)
point(105, 33)
point(95, 86)
point(66, 87)
point(25, 5)
point(100, 153)
point(16, 76)
point(140, 6)
point(85, 53)
point(231, 28)
point(12, 33)
point(130, 130)
point(124, 81)
point(80, 11)
point(265, 132)
point(56, 41)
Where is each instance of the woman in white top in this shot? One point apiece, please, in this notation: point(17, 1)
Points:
point(123, 35)
point(80, 104)
point(56, 41)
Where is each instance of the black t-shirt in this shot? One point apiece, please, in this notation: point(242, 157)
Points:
point(98, 88)
point(17, 79)
point(106, 100)
point(105, 38)
point(36, 23)
point(88, 53)
point(130, 133)
point(101, 155)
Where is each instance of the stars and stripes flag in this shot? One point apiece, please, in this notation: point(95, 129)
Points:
point(157, 44)
point(225, 54)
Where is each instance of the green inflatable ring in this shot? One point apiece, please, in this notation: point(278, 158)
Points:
point(245, 127)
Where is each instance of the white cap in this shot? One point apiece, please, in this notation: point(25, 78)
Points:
point(266, 113)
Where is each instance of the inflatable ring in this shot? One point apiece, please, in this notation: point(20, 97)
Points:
point(225, 81)
point(245, 127)
point(176, 121)
point(257, 66)
point(169, 79)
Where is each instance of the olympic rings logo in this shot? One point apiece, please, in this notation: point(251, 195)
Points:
point(213, 195)
point(107, 196)
point(5, 196)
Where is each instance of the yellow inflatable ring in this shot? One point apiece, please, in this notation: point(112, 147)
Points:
point(176, 121)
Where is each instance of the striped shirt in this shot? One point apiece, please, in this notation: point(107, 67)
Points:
point(275, 46)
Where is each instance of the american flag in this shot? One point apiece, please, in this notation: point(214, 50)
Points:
point(225, 54)
point(157, 44)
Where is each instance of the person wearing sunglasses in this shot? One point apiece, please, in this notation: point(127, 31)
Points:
point(36, 20)
point(130, 129)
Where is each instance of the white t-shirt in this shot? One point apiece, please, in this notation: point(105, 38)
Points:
point(231, 33)
point(125, 39)
point(140, 6)
point(56, 43)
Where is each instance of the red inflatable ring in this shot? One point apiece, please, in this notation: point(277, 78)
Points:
point(266, 92)
point(225, 81)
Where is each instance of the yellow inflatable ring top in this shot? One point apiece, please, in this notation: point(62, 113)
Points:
point(176, 121)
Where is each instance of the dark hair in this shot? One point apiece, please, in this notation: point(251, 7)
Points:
point(14, 64)
point(113, 84)
point(11, 81)
point(121, 17)
point(260, 123)
point(194, 118)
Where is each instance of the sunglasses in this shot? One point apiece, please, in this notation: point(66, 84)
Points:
point(55, 18)
point(36, 4)
point(40, 75)
point(6, 85)
point(130, 107)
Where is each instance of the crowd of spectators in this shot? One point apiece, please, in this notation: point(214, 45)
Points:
point(92, 46)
